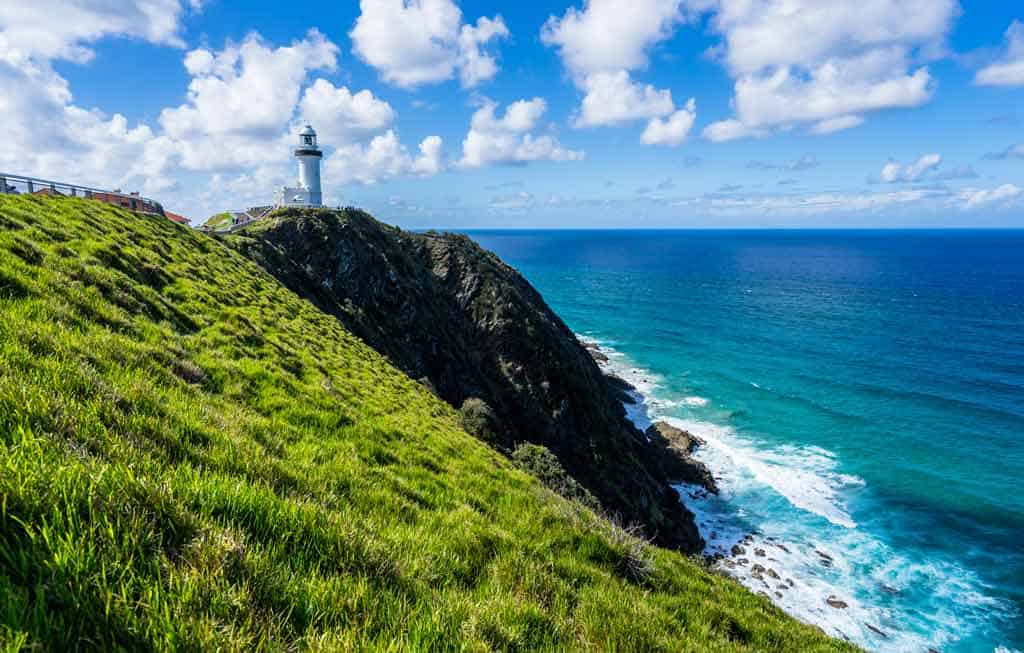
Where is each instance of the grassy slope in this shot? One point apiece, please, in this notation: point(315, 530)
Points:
point(191, 456)
point(218, 221)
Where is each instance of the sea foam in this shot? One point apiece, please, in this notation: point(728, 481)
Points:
point(781, 526)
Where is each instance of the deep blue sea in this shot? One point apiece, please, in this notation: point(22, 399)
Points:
point(862, 398)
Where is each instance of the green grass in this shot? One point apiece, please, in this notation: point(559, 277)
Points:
point(219, 221)
point(193, 458)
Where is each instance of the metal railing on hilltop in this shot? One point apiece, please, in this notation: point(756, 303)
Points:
point(21, 185)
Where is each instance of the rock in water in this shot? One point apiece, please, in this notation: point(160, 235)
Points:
point(442, 308)
point(676, 447)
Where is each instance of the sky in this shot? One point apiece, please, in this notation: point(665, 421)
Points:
point(545, 114)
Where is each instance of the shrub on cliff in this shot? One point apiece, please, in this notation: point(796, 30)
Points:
point(537, 460)
point(478, 419)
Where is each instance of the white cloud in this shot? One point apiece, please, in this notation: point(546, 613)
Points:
point(824, 63)
point(973, 198)
point(237, 122)
point(384, 157)
point(839, 123)
point(429, 160)
point(42, 131)
point(673, 129)
point(819, 203)
point(1009, 69)
point(893, 172)
point(600, 45)
point(340, 115)
point(613, 98)
point(90, 147)
point(610, 35)
point(242, 98)
point(474, 65)
point(416, 42)
point(730, 130)
point(58, 29)
point(510, 139)
point(514, 202)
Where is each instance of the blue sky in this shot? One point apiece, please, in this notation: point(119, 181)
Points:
point(435, 113)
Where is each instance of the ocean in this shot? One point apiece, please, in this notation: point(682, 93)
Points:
point(861, 395)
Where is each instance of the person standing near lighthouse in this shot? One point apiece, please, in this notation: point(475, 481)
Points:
point(308, 192)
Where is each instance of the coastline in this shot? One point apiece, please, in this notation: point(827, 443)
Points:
point(820, 580)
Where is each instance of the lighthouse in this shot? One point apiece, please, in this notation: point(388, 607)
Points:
point(308, 192)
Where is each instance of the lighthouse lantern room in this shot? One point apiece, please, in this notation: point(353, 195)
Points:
point(308, 192)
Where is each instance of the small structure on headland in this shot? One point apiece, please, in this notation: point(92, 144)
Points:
point(308, 192)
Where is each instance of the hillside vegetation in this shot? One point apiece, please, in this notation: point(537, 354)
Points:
point(443, 309)
point(218, 221)
point(192, 457)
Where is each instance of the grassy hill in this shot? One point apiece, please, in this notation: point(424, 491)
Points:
point(218, 221)
point(191, 457)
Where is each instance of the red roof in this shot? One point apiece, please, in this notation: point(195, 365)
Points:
point(174, 217)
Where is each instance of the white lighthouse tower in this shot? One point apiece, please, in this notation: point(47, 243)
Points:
point(308, 192)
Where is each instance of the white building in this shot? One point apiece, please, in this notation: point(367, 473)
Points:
point(308, 192)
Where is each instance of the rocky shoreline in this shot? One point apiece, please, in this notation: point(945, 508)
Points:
point(752, 556)
point(674, 447)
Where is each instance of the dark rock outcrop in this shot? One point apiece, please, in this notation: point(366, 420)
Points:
point(445, 310)
point(677, 462)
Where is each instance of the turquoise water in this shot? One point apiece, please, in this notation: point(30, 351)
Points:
point(862, 396)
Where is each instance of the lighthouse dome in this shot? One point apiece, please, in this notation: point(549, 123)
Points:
point(307, 137)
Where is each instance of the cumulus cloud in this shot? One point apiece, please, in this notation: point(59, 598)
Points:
point(340, 115)
point(613, 98)
point(610, 35)
point(382, 158)
point(236, 125)
point(241, 98)
point(510, 139)
point(244, 106)
point(57, 29)
point(673, 129)
point(417, 42)
point(1009, 69)
point(823, 63)
point(42, 130)
point(600, 45)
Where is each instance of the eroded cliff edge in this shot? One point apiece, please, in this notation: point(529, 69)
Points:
point(455, 316)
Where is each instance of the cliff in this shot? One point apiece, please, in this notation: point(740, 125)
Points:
point(453, 314)
point(195, 458)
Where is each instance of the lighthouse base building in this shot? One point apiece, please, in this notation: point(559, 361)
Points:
point(308, 192)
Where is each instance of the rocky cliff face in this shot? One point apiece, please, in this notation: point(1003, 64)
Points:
point(469, 326)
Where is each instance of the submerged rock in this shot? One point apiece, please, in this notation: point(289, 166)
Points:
point(876, 630)
point(836, 603)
